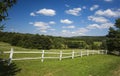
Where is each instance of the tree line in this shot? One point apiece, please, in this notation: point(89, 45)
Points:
point(36, 41)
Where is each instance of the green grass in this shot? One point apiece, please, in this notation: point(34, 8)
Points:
point(94, 65)
point(97, 65)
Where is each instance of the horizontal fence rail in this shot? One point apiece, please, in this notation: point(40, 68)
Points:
point(60, 54)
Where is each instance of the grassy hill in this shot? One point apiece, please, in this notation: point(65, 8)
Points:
point(95, 38)
point(94, 65)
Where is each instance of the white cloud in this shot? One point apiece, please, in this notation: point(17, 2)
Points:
point(78, 32)
point(108, 13)
point(119, 9)
point(52, 22)
point(98, 19)
point(65, 31)
point(106, 25)
point(93, 26)
point(74, 11)
point(52, 29)
point(67, 5)
point(32, 14)
point(42, 26)
point(31, 23)
point(42, 30)
point(94, 7)
point(101, 26)
point(66, 21)
point(84, 7)
point(46, 12)
point(82, 30)
point(69, 27)
point(108, 0)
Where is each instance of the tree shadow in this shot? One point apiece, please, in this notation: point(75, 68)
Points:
point(8, 70)
point(113, 53)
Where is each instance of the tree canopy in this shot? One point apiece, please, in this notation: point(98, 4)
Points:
point(49, 42)
point(113, 41)
point(4, 6)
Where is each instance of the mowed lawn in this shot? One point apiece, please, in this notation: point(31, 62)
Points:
point(93, 65)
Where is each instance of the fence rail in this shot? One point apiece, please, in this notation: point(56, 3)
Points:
point(60, 54)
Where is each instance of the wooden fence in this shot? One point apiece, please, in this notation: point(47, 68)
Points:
point(60, 54)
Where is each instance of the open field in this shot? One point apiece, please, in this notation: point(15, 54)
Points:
point(94, 65)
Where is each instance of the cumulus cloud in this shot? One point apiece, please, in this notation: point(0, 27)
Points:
point(69, 27)
point(108, 0)
point(46, 12)
point(82, 30)
point(78, 32)
point(93, 26)
point(66, 21)
point(74, 11)
point(52, 22)
point(65, 31)
point(108, 13)
point(98, 19)
point(94, 7)
point(107, 25)
point(42, 26)
point(100, 26)
point(32, 14)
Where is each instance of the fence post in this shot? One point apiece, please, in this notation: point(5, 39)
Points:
point(72, 54)
point(10, 56)
point(87, 52)
point(92, 51)
point(80, 53)
point(42, 57)
point(106, 52)
point(60, 55)
point(98, 52)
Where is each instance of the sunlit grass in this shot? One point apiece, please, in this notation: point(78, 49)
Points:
point(93, 65)
point(97, 65)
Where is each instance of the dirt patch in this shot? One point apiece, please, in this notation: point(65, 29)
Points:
point(52, 73)
point(49, 74)
point(116, 72)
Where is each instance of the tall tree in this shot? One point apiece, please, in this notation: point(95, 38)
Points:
point(113, 41)
point(4, 6)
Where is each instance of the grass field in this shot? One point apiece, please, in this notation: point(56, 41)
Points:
point(94, 65)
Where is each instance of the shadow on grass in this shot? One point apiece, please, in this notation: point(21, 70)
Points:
point(112, 53)
point(10, 70)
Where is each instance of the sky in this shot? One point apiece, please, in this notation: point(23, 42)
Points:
point(64, 18)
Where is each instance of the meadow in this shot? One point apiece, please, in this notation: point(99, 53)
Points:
point(93, 65)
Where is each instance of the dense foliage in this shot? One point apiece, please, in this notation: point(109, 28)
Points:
point(4, 6)
point(113, 41)
point(49, 42)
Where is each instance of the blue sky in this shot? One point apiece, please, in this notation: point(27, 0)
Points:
point(63, 17)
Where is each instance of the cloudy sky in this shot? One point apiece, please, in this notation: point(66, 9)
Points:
point(63, 17)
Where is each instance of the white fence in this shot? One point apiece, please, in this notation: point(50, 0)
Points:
point(60, 54)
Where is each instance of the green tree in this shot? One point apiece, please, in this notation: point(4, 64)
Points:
point(103, 45)
point(16, 39)
point(58, 43)
point(4, 6)
point(113, 41)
